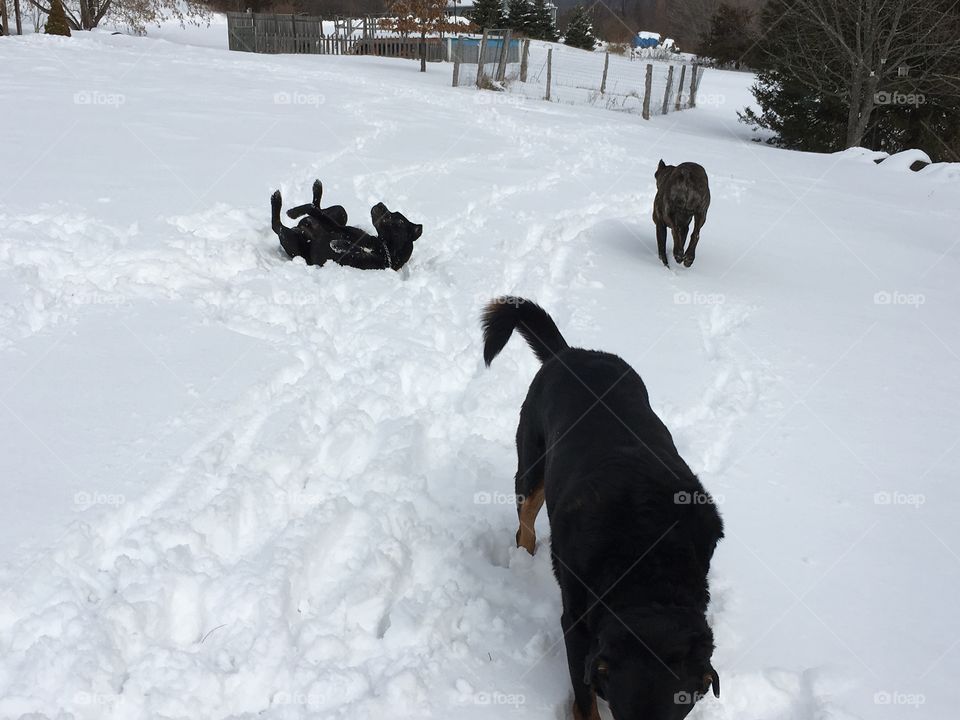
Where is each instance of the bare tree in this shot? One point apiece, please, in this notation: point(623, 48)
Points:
point(17, 16)
point(4, 23)
point(137, 14)
point(859, 50)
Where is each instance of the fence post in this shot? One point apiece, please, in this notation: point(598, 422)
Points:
point(693, 85)
point(456, 62)
point(502, 65)
point(524, 60)
point(603, 81)
point(666, 93)
point(483, 46)
point(683, 72)
point(648, 89)
point(549, 72)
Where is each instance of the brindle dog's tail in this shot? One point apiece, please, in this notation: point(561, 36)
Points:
point(503, 315)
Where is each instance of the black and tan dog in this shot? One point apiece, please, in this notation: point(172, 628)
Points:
point(632, 529)
point(683, 194)
point(319, 237)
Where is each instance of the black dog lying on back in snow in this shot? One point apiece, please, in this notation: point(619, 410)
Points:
point(632, 529)
point(319, 237)
point(683, 193)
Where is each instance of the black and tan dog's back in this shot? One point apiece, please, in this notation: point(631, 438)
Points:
point(632, 529)
point(683, 194)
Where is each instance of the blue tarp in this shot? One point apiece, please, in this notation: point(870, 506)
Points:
point(645, 42)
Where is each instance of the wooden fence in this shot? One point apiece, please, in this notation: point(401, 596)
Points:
point(276, 33)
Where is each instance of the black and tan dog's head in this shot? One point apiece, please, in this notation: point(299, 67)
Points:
point(396, 232)
point(652, 665)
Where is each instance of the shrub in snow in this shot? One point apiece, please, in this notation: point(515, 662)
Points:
point(57, 20)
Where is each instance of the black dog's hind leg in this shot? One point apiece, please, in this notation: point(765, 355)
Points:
point(691, 253)
point(301, 210)
point(576, 637)
point(662, 243)
point(529, 483)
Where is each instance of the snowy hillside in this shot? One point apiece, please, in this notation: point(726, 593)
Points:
point(239, 487)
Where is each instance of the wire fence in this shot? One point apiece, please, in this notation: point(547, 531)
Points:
point(488, 62)
point(558, 73)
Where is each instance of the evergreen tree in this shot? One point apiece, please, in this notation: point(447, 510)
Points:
point(57, 20)
point(519, 16)
point(813, 97)
point(542, 27)
point(580, 30)
point(728, 39)
point(488, 14)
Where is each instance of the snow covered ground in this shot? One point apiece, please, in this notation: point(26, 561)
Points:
point(239, 487)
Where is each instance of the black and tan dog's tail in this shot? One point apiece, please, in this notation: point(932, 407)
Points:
point(503, 315)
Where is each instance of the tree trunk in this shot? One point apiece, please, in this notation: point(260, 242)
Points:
point(17, 15)
point(4, 25)
point(863, 100)
point(423, 52)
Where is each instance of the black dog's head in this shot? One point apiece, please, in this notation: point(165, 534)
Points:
point(397, 233)
point(653, 665)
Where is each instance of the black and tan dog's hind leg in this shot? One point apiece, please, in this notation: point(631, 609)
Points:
point(529, 485)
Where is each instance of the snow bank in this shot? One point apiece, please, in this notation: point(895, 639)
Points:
point(239, 487)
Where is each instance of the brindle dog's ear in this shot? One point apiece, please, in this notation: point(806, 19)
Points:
point(595, 665)
point(711, 678)
point(661, 166)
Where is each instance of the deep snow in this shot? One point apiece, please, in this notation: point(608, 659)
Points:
point(240, 487)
